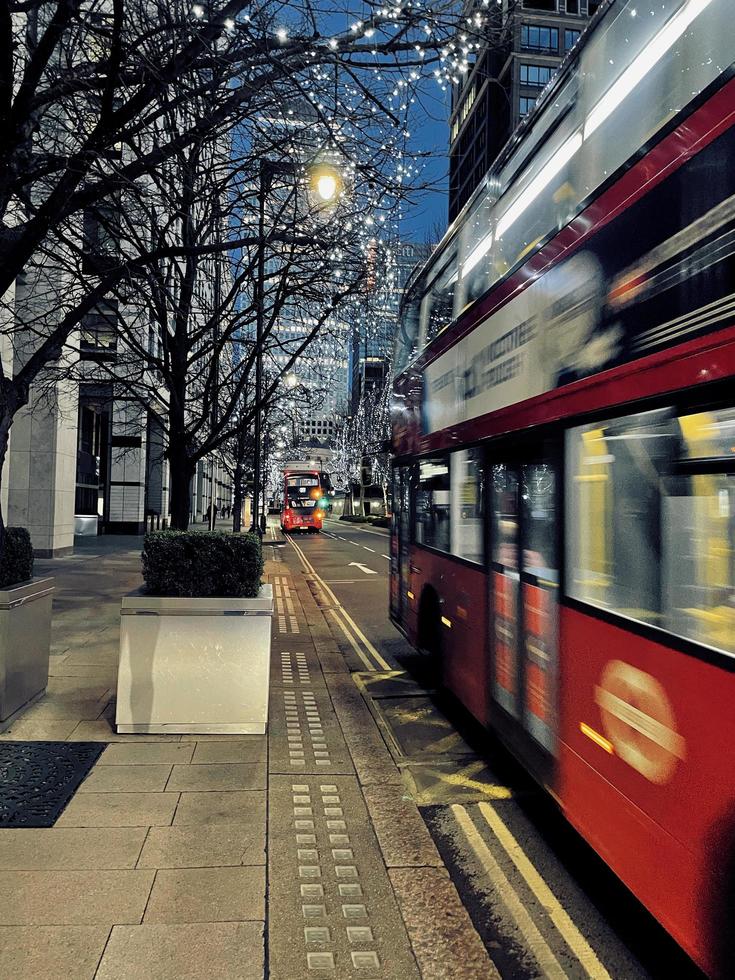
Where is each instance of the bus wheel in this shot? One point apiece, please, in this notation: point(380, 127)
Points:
point(430, 635)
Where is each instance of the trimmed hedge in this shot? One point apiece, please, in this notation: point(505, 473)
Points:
point(381, 521)
point(202, 564)
point(16, 562)
point(354, 519)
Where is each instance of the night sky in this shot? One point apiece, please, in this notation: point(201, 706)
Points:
point(425, 215)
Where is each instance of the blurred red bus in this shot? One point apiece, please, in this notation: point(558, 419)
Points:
point(304, 501)
point(564, 431)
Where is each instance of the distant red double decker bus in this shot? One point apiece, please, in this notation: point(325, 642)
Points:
point(564, 478)
point(304, 501)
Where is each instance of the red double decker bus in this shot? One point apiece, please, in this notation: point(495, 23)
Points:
point(304, 501)
point(564, 438)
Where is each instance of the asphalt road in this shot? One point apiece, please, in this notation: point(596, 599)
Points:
point(542, 901)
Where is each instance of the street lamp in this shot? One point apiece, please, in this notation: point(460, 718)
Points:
point(325, 182)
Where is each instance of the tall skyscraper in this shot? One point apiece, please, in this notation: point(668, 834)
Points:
point(527, 41)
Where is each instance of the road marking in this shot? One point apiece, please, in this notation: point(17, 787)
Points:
point(387, 557)
point(366, 530)
point(380, 660)
point(550, 966)
point(351, 640)
point(567, 929)
point(369, 549)
point(363, 568)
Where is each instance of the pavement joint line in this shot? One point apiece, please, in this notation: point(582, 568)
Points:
point(534, 941)
point(553, 907)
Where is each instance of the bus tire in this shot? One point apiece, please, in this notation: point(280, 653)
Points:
point(430, 636)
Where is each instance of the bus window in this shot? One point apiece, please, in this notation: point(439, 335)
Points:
point(698, 575)
point(615, 471)
point(407, 335)
point(439, 308)
point(505, 584)
point(432, 503)
point(466, 522)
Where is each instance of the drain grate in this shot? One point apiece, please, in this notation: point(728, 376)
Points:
point(37, 779)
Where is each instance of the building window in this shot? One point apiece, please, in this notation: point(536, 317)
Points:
point(548, 6)
point(539, 38)
point(570, 39)
point(526, 104)
point(594, 6)
point(572, 6)
point(536, 75)
point(98, 332)
point(432, 503)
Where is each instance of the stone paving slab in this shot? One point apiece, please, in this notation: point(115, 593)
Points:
point(119, 810)
point(56, 848)
point(146, 754)
point(446, 944)
point(196, 951)
point(218, 776)
point(74, 897)
point(367, 748)
point(332, 911)
point(404, 837)
point(206, 845)
point(221, 808)
point(51, 952)
point(126, 779)
point(304, 735)
point(207, 895)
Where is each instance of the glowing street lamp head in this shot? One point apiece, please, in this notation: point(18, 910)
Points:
point(326, 187)
point(326, 183)
point(291, 380)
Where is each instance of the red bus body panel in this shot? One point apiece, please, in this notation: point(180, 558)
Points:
point(665, 821)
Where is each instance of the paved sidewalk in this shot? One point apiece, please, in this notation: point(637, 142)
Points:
point(157, 868)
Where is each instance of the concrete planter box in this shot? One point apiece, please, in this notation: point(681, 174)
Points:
point(194, 666)
point(25, 639)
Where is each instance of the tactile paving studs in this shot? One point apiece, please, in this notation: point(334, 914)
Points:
point(365, 961)
point(317, 934)
point(360, 934)
point(320, 961)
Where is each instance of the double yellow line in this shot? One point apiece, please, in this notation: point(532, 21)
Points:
point(503, 888)
point(364, 649)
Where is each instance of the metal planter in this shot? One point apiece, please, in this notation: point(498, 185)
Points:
point(25, 639)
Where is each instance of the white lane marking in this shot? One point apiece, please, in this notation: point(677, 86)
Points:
point(568, 930)
point(369, 549)
point(550, 966)
point(367, 530)
point(379, 659)
point(386, 556)
point(363, 568)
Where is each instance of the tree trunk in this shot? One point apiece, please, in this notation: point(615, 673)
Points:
point(6, 420)
point(237, 499)
point(181, 472)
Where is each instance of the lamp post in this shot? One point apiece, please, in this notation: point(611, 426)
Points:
point(325, 183)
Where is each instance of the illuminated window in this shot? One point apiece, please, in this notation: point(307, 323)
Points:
point(651, 521)
point(466, 504)
point(432, 503)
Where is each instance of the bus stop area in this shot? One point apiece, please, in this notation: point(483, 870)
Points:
point(298, 853)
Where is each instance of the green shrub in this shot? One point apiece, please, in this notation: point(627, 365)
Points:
point(353, 519)
point(202, 564)
point(381, 521)
point(16, 562)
